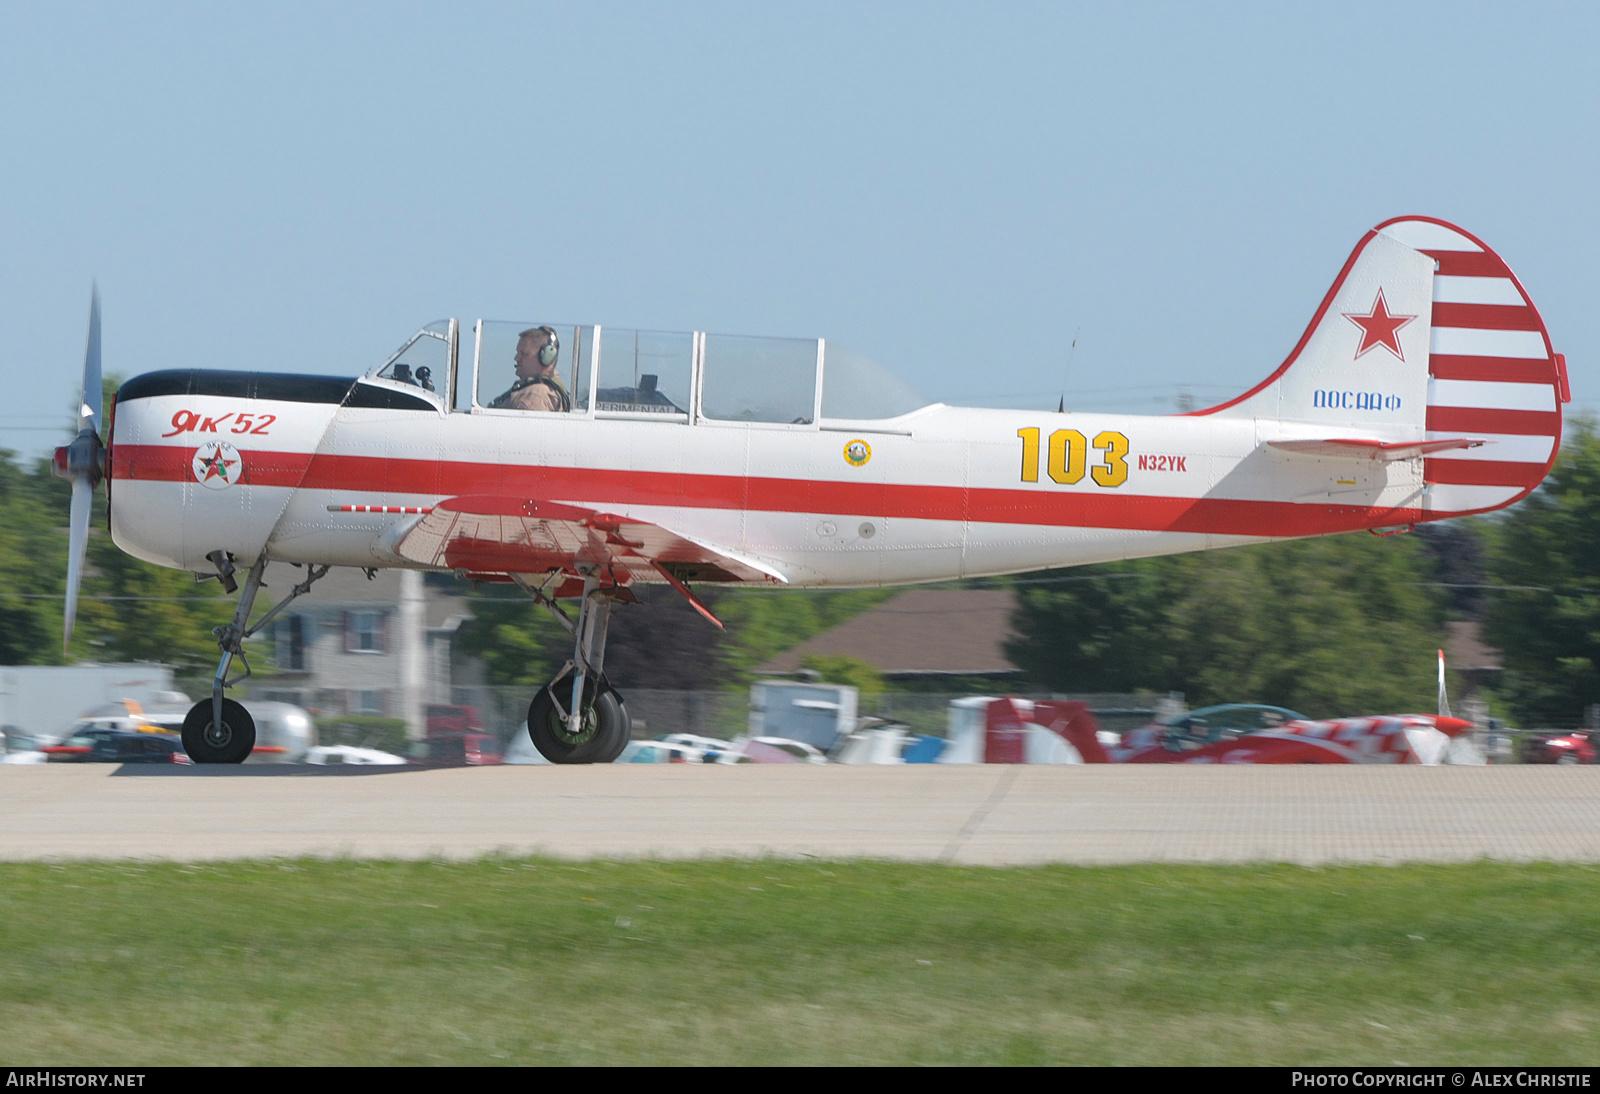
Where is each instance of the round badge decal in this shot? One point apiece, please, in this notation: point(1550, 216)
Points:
point(857, 453)
point(217, 465)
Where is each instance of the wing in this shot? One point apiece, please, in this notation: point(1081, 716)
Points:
point(494, 536)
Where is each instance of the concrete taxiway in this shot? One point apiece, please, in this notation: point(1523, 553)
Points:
point(988, 815)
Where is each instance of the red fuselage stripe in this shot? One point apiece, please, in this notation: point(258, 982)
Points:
point(1134, 512)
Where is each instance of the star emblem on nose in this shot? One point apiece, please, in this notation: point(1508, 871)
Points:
point(1379, 327)
point(215, 467)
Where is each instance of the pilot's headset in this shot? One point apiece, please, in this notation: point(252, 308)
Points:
point(551, 349)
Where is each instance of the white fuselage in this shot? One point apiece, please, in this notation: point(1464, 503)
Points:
point(942, 493)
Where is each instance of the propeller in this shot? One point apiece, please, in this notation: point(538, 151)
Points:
point(83, 464)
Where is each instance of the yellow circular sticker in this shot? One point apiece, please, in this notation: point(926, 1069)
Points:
point(857, 453)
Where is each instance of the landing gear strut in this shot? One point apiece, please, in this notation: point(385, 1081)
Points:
point(218, 730)
point(579, 718)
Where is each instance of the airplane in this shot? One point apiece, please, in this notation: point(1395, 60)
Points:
point(1231, 733)
point(1425, 387)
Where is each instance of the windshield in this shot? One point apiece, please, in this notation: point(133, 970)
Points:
point(855, 387)
point(424, 360)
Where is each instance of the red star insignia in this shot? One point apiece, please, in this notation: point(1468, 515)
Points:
point(1379, 327)
point(216, 467)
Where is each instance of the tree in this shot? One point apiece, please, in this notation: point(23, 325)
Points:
point(1546, 616)
point(851, 671)
point(1328, 626)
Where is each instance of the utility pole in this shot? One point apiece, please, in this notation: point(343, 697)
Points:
point(413, 653)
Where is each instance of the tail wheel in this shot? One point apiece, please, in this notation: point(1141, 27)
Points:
point(208, 743)
point(603, 731)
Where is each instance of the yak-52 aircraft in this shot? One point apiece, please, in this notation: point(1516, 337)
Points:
point(1425, 387)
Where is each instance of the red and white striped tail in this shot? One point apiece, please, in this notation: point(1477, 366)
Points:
point(1492, 374)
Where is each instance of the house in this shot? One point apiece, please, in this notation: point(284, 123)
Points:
point(344, 648)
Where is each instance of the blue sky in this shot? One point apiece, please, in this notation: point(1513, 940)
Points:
point(955, 190)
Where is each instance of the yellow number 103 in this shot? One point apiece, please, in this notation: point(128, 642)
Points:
point(1068, 455)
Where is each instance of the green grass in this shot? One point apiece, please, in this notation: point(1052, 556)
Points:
point(534, 961)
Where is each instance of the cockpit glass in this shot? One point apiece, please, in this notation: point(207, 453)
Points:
point(424, 360)
point(645, 372)
point(759, 379)
point(506, 383)
point(855, 387)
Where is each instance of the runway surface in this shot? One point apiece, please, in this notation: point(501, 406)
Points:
point(981, 815)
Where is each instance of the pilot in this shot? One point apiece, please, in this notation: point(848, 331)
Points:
point(537, 387)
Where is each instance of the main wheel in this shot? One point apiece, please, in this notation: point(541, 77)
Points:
point(230, 743)
point(602, 733)
point(622, 731)
point(1569, 759)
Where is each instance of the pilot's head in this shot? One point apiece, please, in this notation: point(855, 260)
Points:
point(537, 350)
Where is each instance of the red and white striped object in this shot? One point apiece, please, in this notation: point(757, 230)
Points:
point(1492, 374)
point(1376, 740)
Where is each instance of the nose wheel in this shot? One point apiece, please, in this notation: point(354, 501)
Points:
point(208, 741)
point(218, 730)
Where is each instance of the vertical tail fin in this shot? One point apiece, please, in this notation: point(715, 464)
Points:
point(1427, 335)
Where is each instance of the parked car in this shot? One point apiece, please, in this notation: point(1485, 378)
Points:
point(283, 730)
point(283, 733)
point(778, 750)
point(659, 752)
point(117, 746)
point(447, 718)
point(1576, 747)
point(455, 750)
point(712, 750)
point(350, 754)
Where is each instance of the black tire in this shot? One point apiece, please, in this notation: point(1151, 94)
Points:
point(604, 732)
point(232, 744)
point(622, 731)
point(1569, 759)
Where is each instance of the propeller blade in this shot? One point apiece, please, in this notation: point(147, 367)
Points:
point(90, 406)
point(77, 547)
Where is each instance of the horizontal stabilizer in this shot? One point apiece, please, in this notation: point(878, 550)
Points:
point(1360, 448)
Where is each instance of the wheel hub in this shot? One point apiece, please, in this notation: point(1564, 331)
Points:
point(589, 726)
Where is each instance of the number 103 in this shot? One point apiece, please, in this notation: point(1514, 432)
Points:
point(1068, 457)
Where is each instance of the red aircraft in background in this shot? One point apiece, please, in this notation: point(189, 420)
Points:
point(1235, 733)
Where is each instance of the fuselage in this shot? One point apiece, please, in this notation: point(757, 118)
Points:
point(941, 493)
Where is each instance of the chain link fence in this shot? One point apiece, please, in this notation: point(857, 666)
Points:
point(503, 711)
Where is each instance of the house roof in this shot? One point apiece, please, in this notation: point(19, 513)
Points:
point(934, 631)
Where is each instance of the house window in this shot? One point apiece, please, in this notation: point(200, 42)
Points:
point(367, 701)
point(289, 642)
point(365, 632)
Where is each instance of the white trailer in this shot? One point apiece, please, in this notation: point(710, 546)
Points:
point(39, 702)
point(816, 714)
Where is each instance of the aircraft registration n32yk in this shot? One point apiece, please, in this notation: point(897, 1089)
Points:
point(579, 461)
